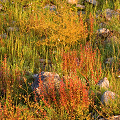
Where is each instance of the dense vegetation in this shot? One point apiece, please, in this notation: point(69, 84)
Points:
point(31, 31)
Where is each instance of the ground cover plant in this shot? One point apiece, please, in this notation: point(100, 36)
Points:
point(56, 36)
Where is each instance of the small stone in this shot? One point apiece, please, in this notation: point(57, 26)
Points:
point(107, 97)
point(104, 83)
point(103, 32)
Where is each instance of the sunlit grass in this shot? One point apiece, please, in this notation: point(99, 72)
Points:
point(29, 32)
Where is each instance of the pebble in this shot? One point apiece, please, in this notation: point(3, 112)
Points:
point(104, 83)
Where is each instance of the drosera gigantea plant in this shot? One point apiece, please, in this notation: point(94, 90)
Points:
point(85, 61)
point(74, 98)
point(72, 102)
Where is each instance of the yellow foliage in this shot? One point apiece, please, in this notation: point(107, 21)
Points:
point(63, 27)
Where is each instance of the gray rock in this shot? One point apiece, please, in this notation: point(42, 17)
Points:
point(110, 13)
point(107, 97)
point(49, 81)
point(103, 32)
point(104, 83)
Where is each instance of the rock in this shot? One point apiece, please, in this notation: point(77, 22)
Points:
point(103, 32)
point(107, 97)
point(110, 13)
point(94, 2)
point(49, 81)
point(104, 83)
